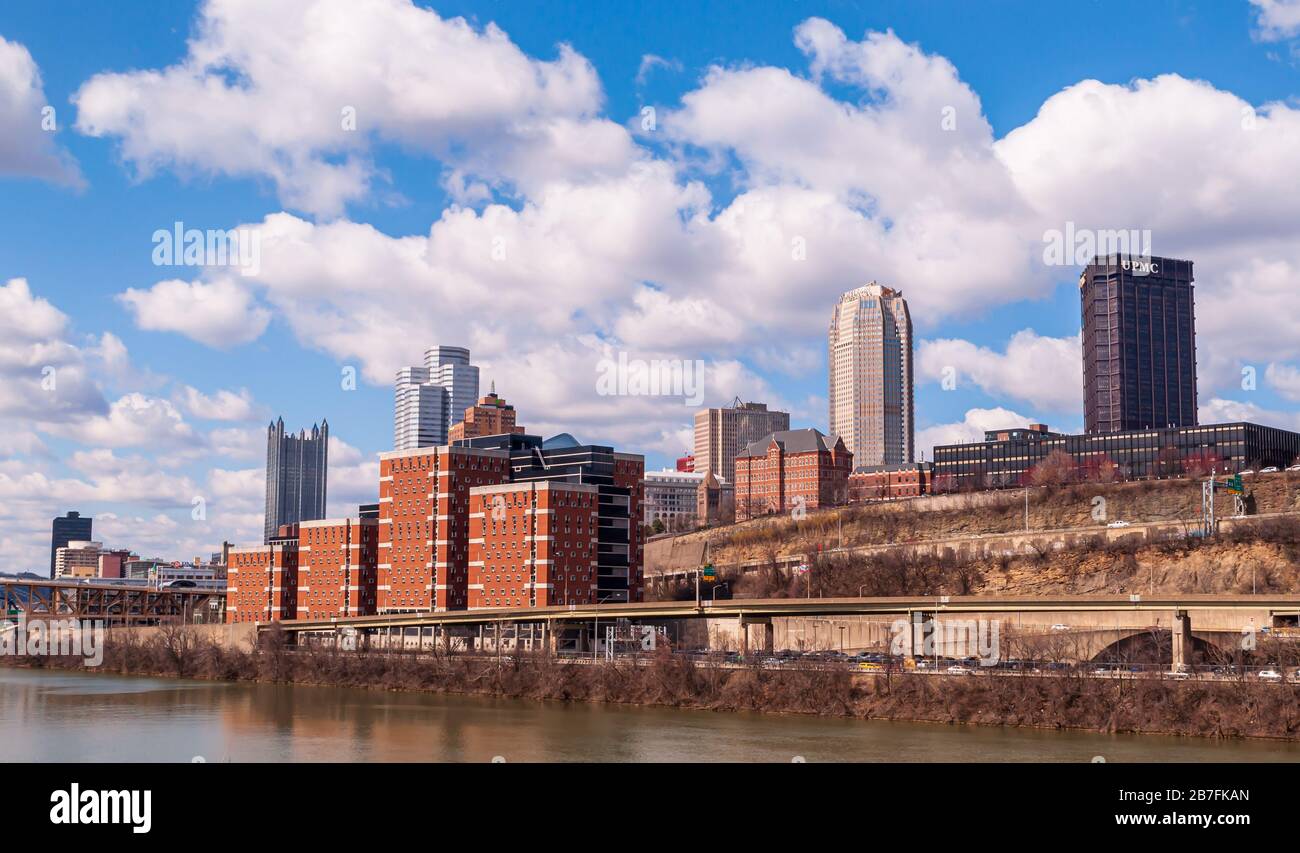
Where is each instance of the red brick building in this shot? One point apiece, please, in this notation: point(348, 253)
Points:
point(262, 581)
point(890, 482)
point(337, 567)
point(424, 524)
point(533, 544)
point(490, 416)
point(791, 469)
point(618, 477)
point(568, 534)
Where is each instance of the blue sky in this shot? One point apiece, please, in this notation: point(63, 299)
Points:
point(774, 122)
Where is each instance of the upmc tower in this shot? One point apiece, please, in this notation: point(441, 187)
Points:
point(1139, 344)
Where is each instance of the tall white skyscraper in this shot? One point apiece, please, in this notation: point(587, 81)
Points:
point(429, 400)
point(450, 368)
point(870, 362)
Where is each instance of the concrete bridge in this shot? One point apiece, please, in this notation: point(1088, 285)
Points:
point(1068, 627)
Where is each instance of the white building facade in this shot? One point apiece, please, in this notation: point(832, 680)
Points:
point(671, 497)
point(429, 400)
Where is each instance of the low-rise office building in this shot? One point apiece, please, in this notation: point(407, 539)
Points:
point(1017, 457)
point(889, 482)
point(672, 498)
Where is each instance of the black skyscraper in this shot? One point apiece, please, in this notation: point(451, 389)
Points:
point(295, 476)
point(68, 528)
point(1139, 344)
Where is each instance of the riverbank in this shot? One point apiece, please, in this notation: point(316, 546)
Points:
point(1113, 706)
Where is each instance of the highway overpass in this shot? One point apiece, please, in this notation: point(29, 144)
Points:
point(1096, 622)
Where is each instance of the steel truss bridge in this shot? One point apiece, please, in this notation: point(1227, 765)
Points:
point(114, 603)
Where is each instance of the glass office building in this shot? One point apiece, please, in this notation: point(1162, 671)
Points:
point(1139, 344)
point(1005, 458)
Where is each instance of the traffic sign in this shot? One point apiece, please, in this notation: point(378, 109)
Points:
point(709, 572)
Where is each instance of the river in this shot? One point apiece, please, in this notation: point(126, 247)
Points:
point(48, 716)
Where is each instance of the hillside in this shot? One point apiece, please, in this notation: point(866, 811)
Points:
point(1261, 556)
point(950, 516)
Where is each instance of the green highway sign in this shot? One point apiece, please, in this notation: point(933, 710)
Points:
point(709, 573)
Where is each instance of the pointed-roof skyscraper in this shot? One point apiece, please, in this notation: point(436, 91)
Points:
point(296, 469)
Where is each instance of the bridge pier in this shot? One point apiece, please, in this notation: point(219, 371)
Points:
point(914, 638)
point(768, 636)
point(1182, 646)
point(769, 633)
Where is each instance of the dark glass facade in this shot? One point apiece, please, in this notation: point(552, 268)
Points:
point(1139, 344)
point(296, 467)
point(1006, 457)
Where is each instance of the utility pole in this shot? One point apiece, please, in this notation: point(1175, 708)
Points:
point(1026, 509)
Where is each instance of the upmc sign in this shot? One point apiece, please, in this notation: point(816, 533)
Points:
point(1141, 267)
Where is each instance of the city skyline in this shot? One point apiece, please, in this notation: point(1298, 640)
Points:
point(544, 265)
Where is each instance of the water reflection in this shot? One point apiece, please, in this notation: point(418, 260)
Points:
point(47, 716)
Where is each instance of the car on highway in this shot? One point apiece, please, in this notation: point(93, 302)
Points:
point(1178, 674)
point(1120, 524)
point(1294, 468)
point(868, 666)
point(1060, 627)
point(1272, 469)
point(957, 669)
point(1247, 471)
point(1269, 675)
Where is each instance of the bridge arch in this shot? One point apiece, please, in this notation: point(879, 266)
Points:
point(1155, 646)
